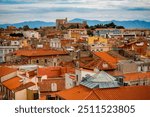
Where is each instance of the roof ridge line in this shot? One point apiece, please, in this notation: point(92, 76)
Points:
point(88, 94)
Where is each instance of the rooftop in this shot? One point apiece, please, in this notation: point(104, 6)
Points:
point(100, 80)
point(121, 93)
point(12, 83)
point(40, 52)
point(53, 72)
point(24, 86)
point(6, 70)
point(16, 84)
point(45, 85)
point(97, 63)
point(106, 57)
point(136, 76)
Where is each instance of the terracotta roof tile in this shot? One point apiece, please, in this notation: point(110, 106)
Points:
point(106, 57)
point(97, 63)
point(136, 76)
point(49, 71)
point(76, 93)
point(45, 85)
point(121, 93)
point(124, 93)
point(92, 96)
point(24, 86)
point(15, 84)
point(53, 72)
point(40, 52)
point(6, 70)
point(12, 83)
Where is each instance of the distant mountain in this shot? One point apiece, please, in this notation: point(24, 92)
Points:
point(126, 24)
point(31, 24)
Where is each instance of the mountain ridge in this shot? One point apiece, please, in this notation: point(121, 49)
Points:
point(126, 24)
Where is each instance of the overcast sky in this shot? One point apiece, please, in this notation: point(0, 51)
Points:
point(12, 11)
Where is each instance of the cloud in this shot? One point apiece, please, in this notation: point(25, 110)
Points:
point(48, 10)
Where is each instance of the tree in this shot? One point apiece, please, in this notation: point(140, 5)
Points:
point(110, 25)
point(87, 27)
point(62, 27)
point(35, 29)
point(90, 32)
point(16, 34)
point(72, 26)
point(20, 28)
point(26, 27)
point(120, 27)
point(1, 29)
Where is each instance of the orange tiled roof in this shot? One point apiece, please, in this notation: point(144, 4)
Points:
point(124, 93)
point(121, 93)
point(136, 76)
point(49, 71)
point(45, 85)
point(106, 57)
point(40, 52)
point(97, 64)
point(53, 72)
point(6, 70)
point(12, 83)
point(24, 86)
point(76, 93)
point(68, 64)
point(82, 29)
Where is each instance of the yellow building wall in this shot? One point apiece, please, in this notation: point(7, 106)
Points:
point(30, 94)
point(75, 35)
point(95, 38)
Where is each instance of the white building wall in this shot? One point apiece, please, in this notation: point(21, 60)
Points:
point(69, 83)
point(80, 73)
point(6, 77)
point(21, 95)
point(31, 34)
point(15, 43)
point(5, 50)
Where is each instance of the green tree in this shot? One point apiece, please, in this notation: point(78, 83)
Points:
point(26, 27)
point(35, 29)
point(90, 32)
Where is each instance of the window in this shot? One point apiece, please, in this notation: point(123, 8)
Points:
point(1, 51)
point(45, 60)
point(137, 84)
point(53, 87)
point(125, 84)
point(37, 61)
point(55, 64)
point(77, 77)
point(36, 96)
point(49, 97)
point(32, 35)
point(1, 59)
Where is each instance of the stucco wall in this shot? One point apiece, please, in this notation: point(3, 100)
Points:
point(21, 95)
point(11, 75)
